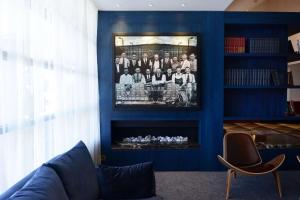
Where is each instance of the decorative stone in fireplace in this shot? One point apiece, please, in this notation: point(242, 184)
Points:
point(163, 134)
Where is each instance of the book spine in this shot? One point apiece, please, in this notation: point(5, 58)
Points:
point(234, 44)
point(290, 78)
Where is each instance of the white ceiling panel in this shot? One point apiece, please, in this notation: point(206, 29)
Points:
point(163, 5)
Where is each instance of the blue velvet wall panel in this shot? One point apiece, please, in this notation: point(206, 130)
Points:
point(210, 27)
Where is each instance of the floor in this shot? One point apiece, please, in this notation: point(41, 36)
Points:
point(211, 186)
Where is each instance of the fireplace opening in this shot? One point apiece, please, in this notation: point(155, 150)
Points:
point(138, 134)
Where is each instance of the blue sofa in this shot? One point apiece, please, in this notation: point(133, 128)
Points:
point(74, 176)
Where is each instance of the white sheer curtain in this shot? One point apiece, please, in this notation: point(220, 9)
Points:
point(48, 82)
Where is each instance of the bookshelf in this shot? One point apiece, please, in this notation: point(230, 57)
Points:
point(296, 62)
point(262, 87)
point(253, 55)
point(294, 58)
point(255, 72)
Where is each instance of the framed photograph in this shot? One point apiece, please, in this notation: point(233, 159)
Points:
point(156, 71)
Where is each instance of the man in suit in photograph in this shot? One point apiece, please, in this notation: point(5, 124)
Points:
point(169, 75)
point(148, 76)
point(124, 60)
point(189, 77)
point(158, 78)
point(190, 83)
point(175, 64)
point(193, 62)
point(125, 86)
point(184, 63)
point(156, 63)
point(144, 63)
point(138, 77)
point(119, 69)
point(133, 64)
point(178, 78)
point(126, 78)
point(166, 62)
point(158, 84)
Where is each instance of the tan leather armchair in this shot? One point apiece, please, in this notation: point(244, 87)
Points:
point(241, 156)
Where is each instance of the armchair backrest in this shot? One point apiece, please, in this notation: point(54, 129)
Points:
point(240, 150)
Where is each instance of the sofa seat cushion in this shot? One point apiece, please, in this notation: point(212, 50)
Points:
point(44, 185)
point(128, 182)
point(77, 173)
point(150, 198)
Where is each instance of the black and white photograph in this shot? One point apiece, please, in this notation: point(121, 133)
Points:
point(156, 70)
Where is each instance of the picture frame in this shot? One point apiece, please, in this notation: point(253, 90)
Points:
point(162, 92)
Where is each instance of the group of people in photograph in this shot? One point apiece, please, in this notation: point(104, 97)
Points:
point(147, 67)
point(161, 78)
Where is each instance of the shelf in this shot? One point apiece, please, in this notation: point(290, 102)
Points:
point(253, 55)
point(293, 63)
point(293, 87)
point(293, 58)
point(255, 87)
point(262, 87)
point(256, 81)
point(278, 118)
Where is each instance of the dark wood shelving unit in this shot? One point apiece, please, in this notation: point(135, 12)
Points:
point(293, 58)
point(265, 103)
point(258, 55)
point(262, 87)
point(261, 98)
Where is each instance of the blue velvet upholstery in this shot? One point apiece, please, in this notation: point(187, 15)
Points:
point(73, 175)
point(16, 186)
point(128, 182)
point(44, 185)
point(77, 173)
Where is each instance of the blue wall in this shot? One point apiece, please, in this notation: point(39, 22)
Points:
point(210, 25)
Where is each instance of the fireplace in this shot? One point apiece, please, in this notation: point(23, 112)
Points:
point(163, 134)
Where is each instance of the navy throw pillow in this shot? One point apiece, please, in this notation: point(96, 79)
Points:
point(77, 173)
point(128, 182)
point(44, 185)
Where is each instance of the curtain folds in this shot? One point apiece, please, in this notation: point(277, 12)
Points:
point(49, 97)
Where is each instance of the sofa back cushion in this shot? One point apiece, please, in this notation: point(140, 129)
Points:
point(128, 182)
point(44, 185)
point(77, 173)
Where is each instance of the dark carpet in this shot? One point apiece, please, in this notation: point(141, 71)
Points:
point(211, 186)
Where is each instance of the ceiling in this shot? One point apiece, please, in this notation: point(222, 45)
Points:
point(242, 5)
point(163, 5)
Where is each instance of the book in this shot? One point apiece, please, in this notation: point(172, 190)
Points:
point(292, 106)
point(275, 77)
point(264, 45)
point(290, 109)
point(290, 79)
point(258, 77)
point(234, 44)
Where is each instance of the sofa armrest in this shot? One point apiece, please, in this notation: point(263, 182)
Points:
point(16, 186)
